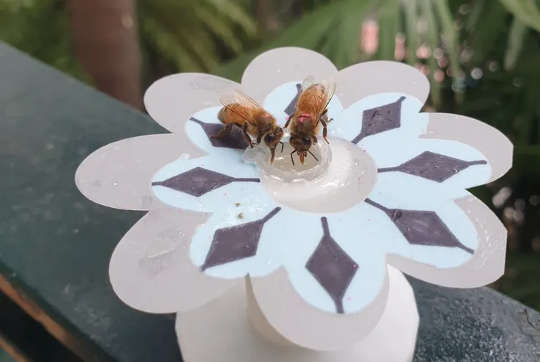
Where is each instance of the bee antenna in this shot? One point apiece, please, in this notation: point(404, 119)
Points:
point(311, 153)
point(292, 159)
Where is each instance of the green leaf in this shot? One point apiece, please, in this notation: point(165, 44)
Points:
point(450, 36)
point(169, 46)
point(411, 37)
point(518, 31)
point(388, 19)
point(486, 28)
point(235, 14)
point(192, 34)
point(476, 13)
point(219, 27)
point(347, 33)
point(525, 10)
point(432, 39)
point(332, 28)
point(308, 32)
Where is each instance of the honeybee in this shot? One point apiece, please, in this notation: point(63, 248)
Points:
point(243, 111)
point(311, 109)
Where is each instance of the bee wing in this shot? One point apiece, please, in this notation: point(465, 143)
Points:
point(330, 89)
point(237, 96)
point(307, 82)
point(315, 98)
point(240, 103)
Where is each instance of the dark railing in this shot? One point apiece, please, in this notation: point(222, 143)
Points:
point(55, 245)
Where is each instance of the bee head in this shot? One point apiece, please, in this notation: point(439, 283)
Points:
point(301, 146)
point(272, 138)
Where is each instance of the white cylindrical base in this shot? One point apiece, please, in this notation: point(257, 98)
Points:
point(221, 331)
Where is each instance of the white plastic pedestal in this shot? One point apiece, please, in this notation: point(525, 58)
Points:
point(221, 331)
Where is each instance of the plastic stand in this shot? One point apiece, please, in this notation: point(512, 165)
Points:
point(228, 329)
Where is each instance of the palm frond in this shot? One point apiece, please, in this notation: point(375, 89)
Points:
point(449, 34)
point(219, 26)
point(190, 34)
point(483, 36)
point(308, 32)
point(516, 37)
point(169, 46)
point(332, 28)
point(411, 35)
point(526, 11)
point(235, 14)
point(388, 19)
point(432, 40)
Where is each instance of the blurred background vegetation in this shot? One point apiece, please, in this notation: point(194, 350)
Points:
point(481, 56)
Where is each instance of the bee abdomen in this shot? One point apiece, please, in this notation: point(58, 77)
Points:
point(222, 114)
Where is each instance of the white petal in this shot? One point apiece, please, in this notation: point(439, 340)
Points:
point(150, 268)
point(362, 233)
point(296, 236)
point(173, 99)
point(244, 192)
point(118, 175)
point(439, 256)
point(263, 262)
point(400, 189)
point(348, 125)
point(294, 239)
point(482, 268)
point(493, 144)
point(277, 66)
point(443, 257)
point(363, 79)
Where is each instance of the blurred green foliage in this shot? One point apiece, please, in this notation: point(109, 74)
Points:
point(194, 35)
point(482, 58)
point(40, 28)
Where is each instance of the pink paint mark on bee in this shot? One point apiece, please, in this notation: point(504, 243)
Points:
point(304, 117)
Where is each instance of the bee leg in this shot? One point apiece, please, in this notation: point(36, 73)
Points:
point(314, 139)
point(325, 118)
point(282, 145)
point(259, 139)
point(311, 153)
point(244, 129)
point(224, 132)
point(288, 121)
point(272, 154)
point(292, 160)
point(324, 131)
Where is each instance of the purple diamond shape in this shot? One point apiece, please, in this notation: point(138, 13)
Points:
point(235, 139)
point(433, 166)
point(422, 227)
point(332, 267)
point(292, 104)
point(380, 119)
point(236, 242)
point(198, 181)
